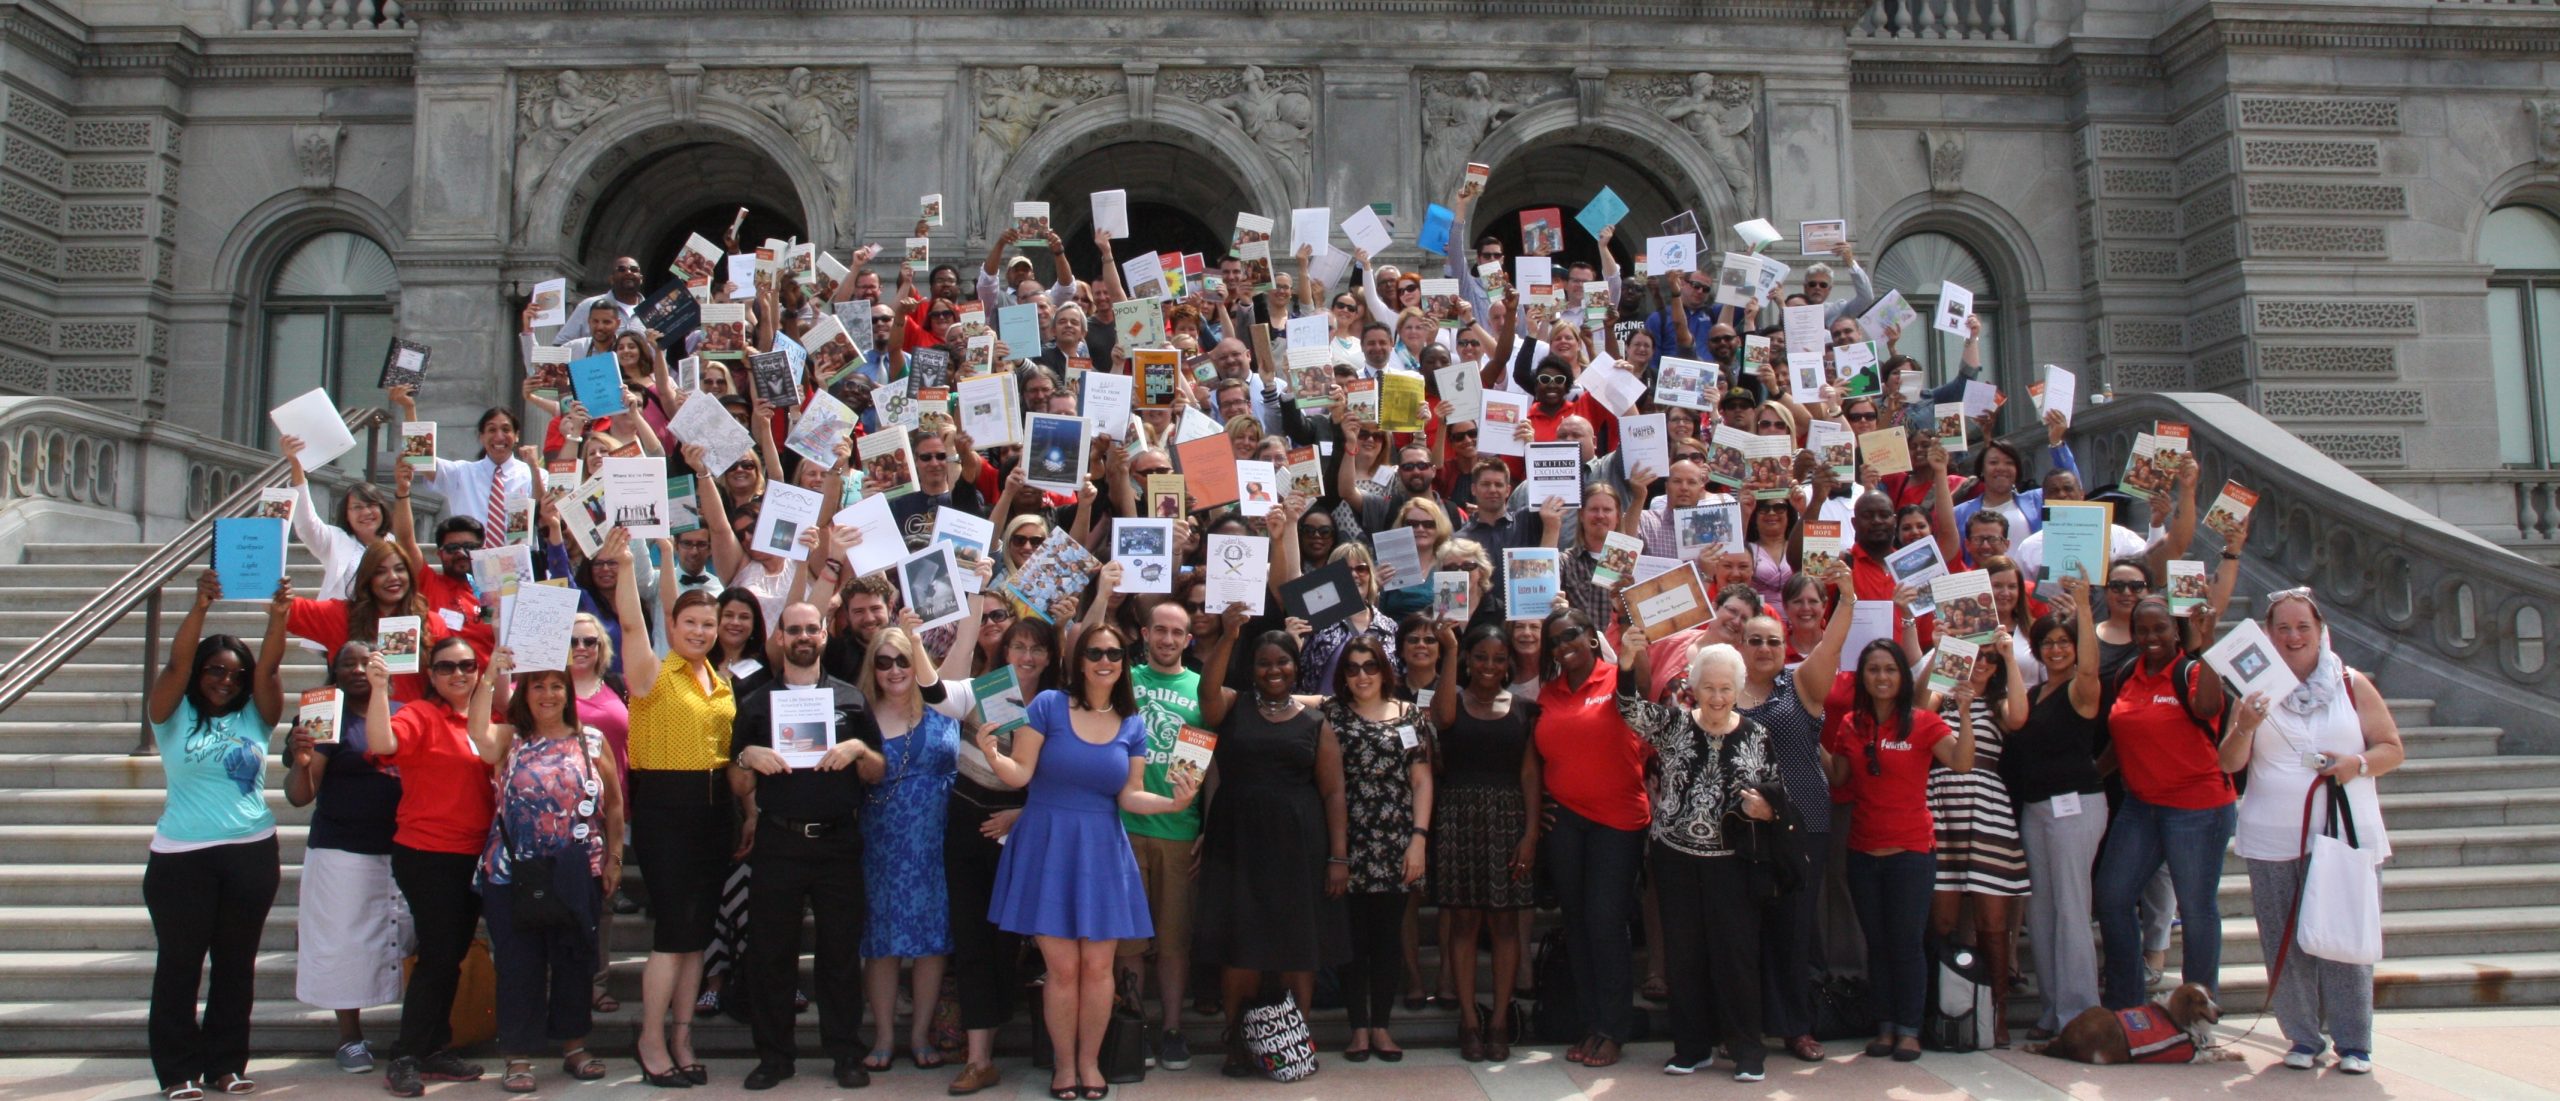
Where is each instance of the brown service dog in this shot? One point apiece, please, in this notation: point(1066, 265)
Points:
point(2182, 1029)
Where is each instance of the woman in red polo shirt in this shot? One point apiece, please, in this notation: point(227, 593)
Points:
point(1593, 766)
point(446, 802)
point(2178, 806)
point(1880, 755)
point(383, 585)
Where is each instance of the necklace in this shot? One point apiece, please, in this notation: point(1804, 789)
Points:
point(1273, 709)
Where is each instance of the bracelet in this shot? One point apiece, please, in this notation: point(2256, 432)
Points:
point(1422, 831)
point(2230, 556)
point(400, 496)
point(2363, 767)
point(1337, 860)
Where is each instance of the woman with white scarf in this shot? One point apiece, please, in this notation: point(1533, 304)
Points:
point(2338, 715)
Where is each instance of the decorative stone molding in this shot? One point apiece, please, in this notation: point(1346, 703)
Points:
point(2133, 141)
point(2151, 376)
point(2283, 197)
point(96, 336)
point(39, 118)
point(1142, 88)
point(27, 250)
point(111, 134)
point(2308, 155)
point(2278, 239)
point(2363, 448)
point(102, 262)
point(2214, 325)
point(2280, 315)
point(2206, 207)
point(1460, 108)
point(2213, 247)
point(31, 159)
point(25, 329)
point(111, 176)
point(2319, 113)
point(2127, 182)
point(2223, 368)
point(1011, 105)
point(21, 201)
point(2546, 130)
point(1718, 112)
point(2141, 221)
point(104, 218)
point(2199, 126)
point(2204, 166)
point(1275, 107)
point(1945, 152)
point(1590, 92)
point(684, 90)
point(2140, 335)
point(2142, 263)
point(2328, 359)
point(2344, 403)
point(552, 108)
point(315, 152)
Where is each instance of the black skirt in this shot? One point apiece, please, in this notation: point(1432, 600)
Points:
point(683, 826)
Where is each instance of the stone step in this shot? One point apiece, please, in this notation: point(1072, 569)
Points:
point(97, 771)
point(2472, 774)
point(2419, 933)
point(2456, 809)
point(105, 884)
point(124, 650)
point(2499, 886)
point(302, 666)
point(70, 737)
point(42, 845)
point(2427, 743)
point(21, 625)
point(90, 577)
point(2485, 846)
point(75, 808)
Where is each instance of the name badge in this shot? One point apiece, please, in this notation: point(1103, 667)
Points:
point(1324, 448)
point(452, 619)
point(579, 831)
point(2066, 804)
point(1407, 738)
point(591, 788)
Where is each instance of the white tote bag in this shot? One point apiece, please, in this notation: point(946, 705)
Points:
point(2341, 905)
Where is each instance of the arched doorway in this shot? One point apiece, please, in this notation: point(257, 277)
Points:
point(1567, 175)
point(675, 181)
point(1180, 200)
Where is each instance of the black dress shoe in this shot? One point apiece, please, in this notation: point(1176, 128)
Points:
point(768, 1074)
point(850, 1075)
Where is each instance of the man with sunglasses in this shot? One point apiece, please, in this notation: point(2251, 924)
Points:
point(1415, 476)
point(1687, 323)
point(625, 295)
point(939, 485)
point(808, 853)
point(1818, 281)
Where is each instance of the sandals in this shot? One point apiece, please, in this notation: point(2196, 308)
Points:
point(576, 1063)
point(1072, 1091)
point(707, 1002)
point(925, 1057)
point(604, 1002)
point(882, 1059)
point(233, 1084)
point(1602, 1053)
point(519, 1076)
point(185, 1091)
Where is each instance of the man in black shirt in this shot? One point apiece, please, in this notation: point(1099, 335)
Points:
point(805, 828)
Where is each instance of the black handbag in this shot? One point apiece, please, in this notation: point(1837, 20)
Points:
point(534, 888)
point(1124, 1049)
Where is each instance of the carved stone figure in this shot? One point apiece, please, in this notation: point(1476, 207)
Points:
point(819, 112)
point(1280, 119)
point(547, 120)
point(1946, 159)
point(2546, 129)
point(315, 151)
point(1452, 124)
point(1719, 121)
point(1010, 109)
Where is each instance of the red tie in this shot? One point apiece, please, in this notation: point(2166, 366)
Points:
point(495, 524)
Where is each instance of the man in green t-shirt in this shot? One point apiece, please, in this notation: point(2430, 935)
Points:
point(1169, 699)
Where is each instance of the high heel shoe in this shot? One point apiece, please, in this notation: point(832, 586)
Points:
point(673, 1079)
point(695, 1073)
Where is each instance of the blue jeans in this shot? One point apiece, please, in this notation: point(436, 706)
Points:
point(2140, 838)
point(1594, 870)
point(1892, 893)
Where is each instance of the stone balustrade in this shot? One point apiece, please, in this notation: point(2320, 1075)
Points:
point(1974, 20)
point(325, 15)
point(2427, 607)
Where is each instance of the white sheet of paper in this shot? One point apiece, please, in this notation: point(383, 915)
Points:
point(1678, 252)
point(1366, 232)
point(1737, 279)
point(1644, 442)
point(1804, 329)
point(1311, 226)
point(1649, 567)
point(882, 543)
point(2061, 389)
point(1328, 268)
point(1804, 373)
point(804, 724)
point(1311, 331)
point(539, 620)
point(1494, 434)
point(1955, 304)
point(1399, 554)
point(1140, 271)
point(1239, 568)
point(555, 292)
point(1195, 424)
point(1869, 620)
point(1533, 271)
point(788, 510)
point(1817, 238)
point(1250, 474)
point(1144, 550)
point(316, 419)
point(1979, 397)
point(724, 441)
point(1111, 212)
point(742, 277)
point(1107, 399)
point(1757, 233)
point(1462, 387)
point(635, 495)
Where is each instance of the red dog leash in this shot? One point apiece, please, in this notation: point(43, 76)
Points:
point(2284, 948)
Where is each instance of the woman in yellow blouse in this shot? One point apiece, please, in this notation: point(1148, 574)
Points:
point(682, 817)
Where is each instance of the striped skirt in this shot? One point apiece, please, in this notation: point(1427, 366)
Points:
point(1979, 848)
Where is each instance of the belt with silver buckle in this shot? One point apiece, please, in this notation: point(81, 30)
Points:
point(812, 829)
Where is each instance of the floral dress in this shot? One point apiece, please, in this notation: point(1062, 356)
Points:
point(902, 821)
point(548, 802)
point(1377, 790)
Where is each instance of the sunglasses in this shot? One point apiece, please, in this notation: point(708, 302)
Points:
point(1109, 654)
point(586, 643)
point(1874, 767)
point(1361, 668)
point(1813, 286)
point(1762, 425)
point(2128, 586)
point(1413, 466)
point(457, 548)
point(1028, 542)
point(1770, 643)
point(1867, 417)
point(1325, 530)
point(1556, 379)
point(1466, 435)
point(626, 267)
point(1566, 637)
point(1346, 305)
point(225, 672)
point(803, 630)
point(932, 456)
point(886, 662)
point(453, 668)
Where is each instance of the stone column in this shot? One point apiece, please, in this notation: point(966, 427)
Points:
point(916, 144)
point(450, 296)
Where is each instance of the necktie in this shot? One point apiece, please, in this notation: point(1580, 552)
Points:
point(494, 522)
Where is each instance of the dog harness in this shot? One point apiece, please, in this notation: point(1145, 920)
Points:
point(2153, 1038)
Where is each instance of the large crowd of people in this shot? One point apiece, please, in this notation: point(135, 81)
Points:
point(1267, 774)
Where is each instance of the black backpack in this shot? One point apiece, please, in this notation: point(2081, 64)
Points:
point(2182, 673)
point(1957, 1015)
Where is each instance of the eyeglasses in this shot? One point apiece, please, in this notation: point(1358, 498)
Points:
point(1361, 668)
point(804, 630)
point(453, 668)
point(1821, 286)
point(586, 644)
point(1489, 254)
point(1359, 569)
point(932, 456)
point(942, 315)
point(1766, 642)
point(1761, 425)
point(457, 548)
point(1110, 654)
point(1559, 380)
point(1027, 542)
point(1421, 523)
point(1466, 435)
point(2128, 586)
point(1699, 287)
point(225, 672)
point(1413, 466)
point(886, 662)
point(1867, 417)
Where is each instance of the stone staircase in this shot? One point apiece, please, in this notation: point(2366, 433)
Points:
point(2472, 898)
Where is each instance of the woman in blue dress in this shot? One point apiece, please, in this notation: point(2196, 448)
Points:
point(1068, 879)
point(903, 885)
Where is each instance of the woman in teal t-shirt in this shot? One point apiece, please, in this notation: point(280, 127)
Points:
point(212, 873)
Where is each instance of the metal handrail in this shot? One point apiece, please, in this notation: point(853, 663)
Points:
point(141, 585)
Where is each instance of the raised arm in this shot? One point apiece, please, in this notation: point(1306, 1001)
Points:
point(491, 741)
point(1822, 666)
point(1215, 697)
point(2087, 689)
point(726, 554)
point(639, 662)
point(171, 686)
point(266, 688)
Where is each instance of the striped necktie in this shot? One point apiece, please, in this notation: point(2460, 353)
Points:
point(494, 523)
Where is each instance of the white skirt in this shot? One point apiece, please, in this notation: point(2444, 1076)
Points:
point(353, 930)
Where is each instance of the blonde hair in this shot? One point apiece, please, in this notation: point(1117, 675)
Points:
point(1431, 508)
point(1462, 551)
point(893, 640)
point(604, 656)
